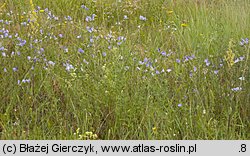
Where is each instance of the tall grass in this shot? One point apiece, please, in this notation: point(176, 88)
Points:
point(181, 71)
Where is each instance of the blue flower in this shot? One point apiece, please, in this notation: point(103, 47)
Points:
point(207, 62)
point(140, 62)
point(26, 81)
point(121, 38)
point(104, 54)
point(15, 69)
point(60, 35)
point(125, 17)
point(68, 66)
point(80, 50)
point(90, 29)
point(163, 53)
point(84, 7)
point(4, 54)
point(69, 18)
point(1, 48)
point(241, 58)
point(85, 61)
point(51, 63)
point(22, 43)
point(244, 41)
point(236, 89)
point(88, 19)
point(195, 69)
point(41, 31)
point(142, 18)
point(191, 74)
point(149, 64)
point(24, 23)
point(91, 40)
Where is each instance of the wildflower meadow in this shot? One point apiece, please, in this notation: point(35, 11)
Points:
point(125, 69)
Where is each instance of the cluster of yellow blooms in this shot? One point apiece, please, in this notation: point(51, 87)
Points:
point(86, 135)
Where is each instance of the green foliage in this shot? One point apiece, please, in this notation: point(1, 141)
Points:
point(180, 73)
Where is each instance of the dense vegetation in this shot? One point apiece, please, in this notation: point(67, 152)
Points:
point(124, 69)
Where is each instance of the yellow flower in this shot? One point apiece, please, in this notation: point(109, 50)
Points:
point(154, 129)
point(41, 11)
point(3, 5)
point(94, 136)
point(33, 17)
point(88, 136)
point(229, 56)
point(184, 24)
point(170, 11)
point(77, 131)
point(89, 133)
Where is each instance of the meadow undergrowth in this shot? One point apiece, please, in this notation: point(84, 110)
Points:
point(124, 69)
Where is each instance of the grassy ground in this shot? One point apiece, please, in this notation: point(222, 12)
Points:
point(128, 69)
